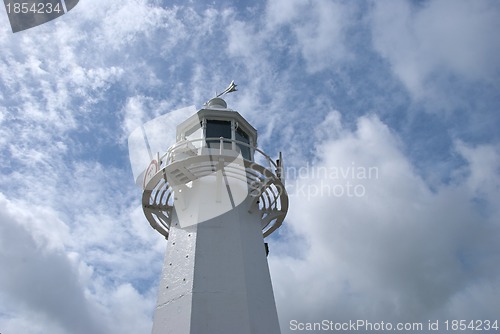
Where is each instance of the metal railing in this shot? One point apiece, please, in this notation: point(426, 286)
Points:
point(265, 185)
point(201, 146)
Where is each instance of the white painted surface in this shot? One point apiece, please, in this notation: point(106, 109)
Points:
point(173, 309)
point(209, 196)
point(215, 277)
point(232, 291)
point(218, 278)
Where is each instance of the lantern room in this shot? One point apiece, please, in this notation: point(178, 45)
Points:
point(217, 125)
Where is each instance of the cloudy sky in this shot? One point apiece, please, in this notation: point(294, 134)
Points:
point(387, 113)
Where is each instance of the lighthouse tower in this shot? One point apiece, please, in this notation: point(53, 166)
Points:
point(215, 196)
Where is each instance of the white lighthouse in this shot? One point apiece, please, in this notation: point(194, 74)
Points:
point(215, 196)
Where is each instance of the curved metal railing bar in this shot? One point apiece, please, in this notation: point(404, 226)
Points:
point(265, 183)
point(168, 157)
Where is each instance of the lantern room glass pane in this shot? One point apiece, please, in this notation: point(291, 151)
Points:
point(217, 129)
point(242, 136)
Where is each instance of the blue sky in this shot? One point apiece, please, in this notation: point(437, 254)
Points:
point(410, 88)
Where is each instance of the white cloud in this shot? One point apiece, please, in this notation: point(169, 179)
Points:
point(483, 167)
point(399, 252)
point(436, 38)
point(58, 271)
point(39, 277)
point(319, 26)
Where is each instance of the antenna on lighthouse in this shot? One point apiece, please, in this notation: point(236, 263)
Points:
point(231, 88)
